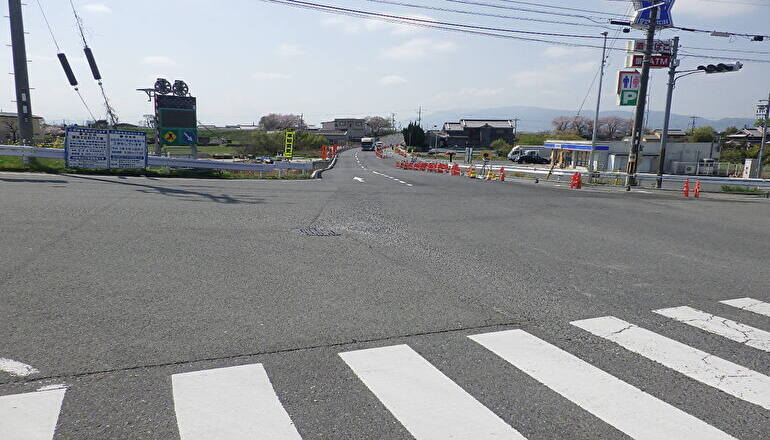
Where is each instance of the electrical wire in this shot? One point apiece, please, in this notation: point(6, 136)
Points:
point(85, 104)
point(48, 25)
point(487, 14)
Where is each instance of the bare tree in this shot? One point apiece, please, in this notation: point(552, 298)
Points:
point(378, 124)
point(275, 121)
point(583, 126)
point(615, 128)
point(13, 131)
point(562, 123)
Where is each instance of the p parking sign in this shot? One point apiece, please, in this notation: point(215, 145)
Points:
point(629, 97)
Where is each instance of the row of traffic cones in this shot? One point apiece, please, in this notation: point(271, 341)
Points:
point(696, 189)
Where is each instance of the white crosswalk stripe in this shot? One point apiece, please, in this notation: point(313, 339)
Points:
point(236, 403)
point(429, 404)
point(750, 304)
point(750, 336)
point(30, 416)
point(627, 408)
point(706, 368)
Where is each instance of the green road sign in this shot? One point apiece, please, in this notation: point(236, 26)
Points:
point(177, 120)
point(628, 97)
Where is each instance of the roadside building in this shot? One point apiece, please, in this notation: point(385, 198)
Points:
point(354, 128)
point(748, 137)
point(334, 137)
point(681, 157)
point(9, 127)
point(476, 133)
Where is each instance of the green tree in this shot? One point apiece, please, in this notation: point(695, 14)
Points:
point(501, 147)
point(414, 136)
point(730, 130)
point(703, 134)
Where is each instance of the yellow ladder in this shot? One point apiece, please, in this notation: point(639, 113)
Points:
point(288, 150)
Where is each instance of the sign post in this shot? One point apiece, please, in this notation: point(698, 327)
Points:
point(629, 83)
point(177, 121)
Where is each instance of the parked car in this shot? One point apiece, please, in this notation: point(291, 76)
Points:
point(533, 160)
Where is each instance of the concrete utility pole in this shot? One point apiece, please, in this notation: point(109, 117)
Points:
point(516, 128)
point(594, 138)
point(419, 116)
point(638, 132)
point(20, 74)
point(764, 139)
point(666, 122)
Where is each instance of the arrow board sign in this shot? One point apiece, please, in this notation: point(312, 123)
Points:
point(641, 19)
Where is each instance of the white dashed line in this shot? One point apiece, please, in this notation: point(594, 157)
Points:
point(392, 178)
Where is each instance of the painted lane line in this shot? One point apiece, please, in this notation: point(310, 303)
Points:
point(16, 368)
point(359, 180)
point(706, 368)
point(750, 304)
point(627, 408)
point(30, 416)
point(422, 398)
point(236, 403)
point(750, 336)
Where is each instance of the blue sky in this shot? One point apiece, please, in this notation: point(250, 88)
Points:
point(243, 59)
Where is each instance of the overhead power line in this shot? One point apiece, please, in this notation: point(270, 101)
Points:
point(487, 14)
point(460, 28)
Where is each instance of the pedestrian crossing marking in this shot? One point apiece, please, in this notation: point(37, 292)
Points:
point(750, 304)
point(706, 368)
point(30, 416)
point(429, 404)
point(627, 408)
point(235, 403)
point(750, 336)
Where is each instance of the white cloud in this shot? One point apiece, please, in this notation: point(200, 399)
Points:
point(392, 79)
point(354, 25)
point(158, 60)
point(419, 48)
point(289, 50)
point(697, 8)
point(346, 24)
point(268, 76)
point(468, 93)
point(565, 51)
point(97, 8)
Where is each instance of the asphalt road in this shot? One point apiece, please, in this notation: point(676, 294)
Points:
point(154, 309)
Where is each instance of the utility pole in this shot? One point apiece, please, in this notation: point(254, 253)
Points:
point(637, 134)
point(20, 74)
point(669, 99)
point(764, 139)
point(516, 128)
point(419, 117)
point(594, 138)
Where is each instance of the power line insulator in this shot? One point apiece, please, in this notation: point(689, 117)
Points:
point(67, 69)
point(92, 63)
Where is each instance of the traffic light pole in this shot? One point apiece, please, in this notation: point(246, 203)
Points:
point(666, 119)
point(764, 139)
point(638, 132)
point(20, 74)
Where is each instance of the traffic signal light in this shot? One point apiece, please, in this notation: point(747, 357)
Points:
point(722, 67)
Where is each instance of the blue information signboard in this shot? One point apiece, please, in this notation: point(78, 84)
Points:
point(104, 149)
point(644, 9)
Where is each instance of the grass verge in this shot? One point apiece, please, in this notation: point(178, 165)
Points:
point(56, 166)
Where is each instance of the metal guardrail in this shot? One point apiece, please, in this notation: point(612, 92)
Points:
point(641, 176)
point(156, 161)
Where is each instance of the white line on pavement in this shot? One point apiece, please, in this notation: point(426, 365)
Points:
point(236, 403)
point(750, 336)
point(627, 408)
point(359, 180)
point(391, 178)
point(30, 416)
point(16, 368)
point(706, 368)
point(750, 304)
point(424, 400)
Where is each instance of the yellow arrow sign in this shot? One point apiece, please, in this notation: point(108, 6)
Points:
point(170, 136)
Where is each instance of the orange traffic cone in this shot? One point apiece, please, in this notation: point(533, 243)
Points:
point(576, 182)
point(686, 188)
point(502, 174)
point(471, 172)
point(697, 189)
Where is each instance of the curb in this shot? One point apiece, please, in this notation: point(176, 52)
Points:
point(317, 174)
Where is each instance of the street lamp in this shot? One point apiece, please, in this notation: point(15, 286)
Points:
point(673, 78)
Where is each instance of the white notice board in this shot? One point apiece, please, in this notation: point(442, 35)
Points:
point(105, 149)
point(128, 149)
point(87, 148)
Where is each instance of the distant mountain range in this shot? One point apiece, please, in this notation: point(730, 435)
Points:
point(533, 119)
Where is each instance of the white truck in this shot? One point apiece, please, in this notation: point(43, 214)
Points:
point(367, 144)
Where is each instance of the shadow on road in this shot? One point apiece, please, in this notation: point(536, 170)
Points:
point(11, 180)
point(178, 193)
